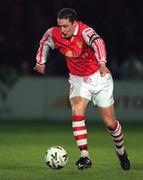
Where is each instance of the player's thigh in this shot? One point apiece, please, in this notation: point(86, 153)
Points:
point(78, 88)
point(104, 96)
point(79, 105)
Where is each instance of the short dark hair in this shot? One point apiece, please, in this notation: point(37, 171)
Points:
point(67, 13)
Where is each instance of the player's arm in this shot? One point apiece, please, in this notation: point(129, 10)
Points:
point(45, 44)
point(98, 45)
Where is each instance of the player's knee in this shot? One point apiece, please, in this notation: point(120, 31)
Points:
point(110, 124)
point(77, 111)
point(109, 120)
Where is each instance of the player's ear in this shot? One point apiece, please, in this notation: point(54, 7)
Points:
point(75, 23)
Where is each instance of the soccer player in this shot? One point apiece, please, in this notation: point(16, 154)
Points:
point(90, 79)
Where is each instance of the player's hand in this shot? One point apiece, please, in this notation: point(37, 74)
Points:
point(40, 68)
point(103, 70)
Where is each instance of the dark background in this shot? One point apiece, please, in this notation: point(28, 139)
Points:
point(23, 23)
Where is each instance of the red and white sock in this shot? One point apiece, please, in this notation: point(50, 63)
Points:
point(80, 134)
point(118, 138)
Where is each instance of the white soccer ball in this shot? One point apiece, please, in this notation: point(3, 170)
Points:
point(56, 157)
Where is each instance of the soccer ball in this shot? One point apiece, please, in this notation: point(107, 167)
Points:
point(56, 157)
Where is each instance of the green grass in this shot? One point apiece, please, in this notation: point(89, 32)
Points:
point(23, 146)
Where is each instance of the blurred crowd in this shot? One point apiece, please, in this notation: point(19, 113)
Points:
point(23, 23)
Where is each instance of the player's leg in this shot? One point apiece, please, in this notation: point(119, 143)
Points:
point(104, 100)
point(79, 105)
point(113, 126)
point(79, 98)
point(115, 129)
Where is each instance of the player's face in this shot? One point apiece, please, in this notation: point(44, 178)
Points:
point(67, 28)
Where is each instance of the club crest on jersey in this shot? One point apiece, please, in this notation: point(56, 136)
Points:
point(79, 44)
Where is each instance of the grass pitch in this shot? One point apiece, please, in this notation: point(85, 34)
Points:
point(23, 146)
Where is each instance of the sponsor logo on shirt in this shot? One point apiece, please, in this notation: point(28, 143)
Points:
point(69, 53)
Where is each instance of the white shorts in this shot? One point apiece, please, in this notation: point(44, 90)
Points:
point(94, 87)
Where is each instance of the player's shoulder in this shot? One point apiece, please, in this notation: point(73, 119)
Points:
point(82, 25)
point(53, 31)
point(87, 30)
point(88, 33)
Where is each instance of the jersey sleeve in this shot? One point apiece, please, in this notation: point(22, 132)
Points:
point(45, 44)
point(96, 42)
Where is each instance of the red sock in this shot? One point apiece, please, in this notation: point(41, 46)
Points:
point(117, 136)
point(80, 132)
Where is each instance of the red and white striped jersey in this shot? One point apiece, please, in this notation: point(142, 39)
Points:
point(84, 51)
